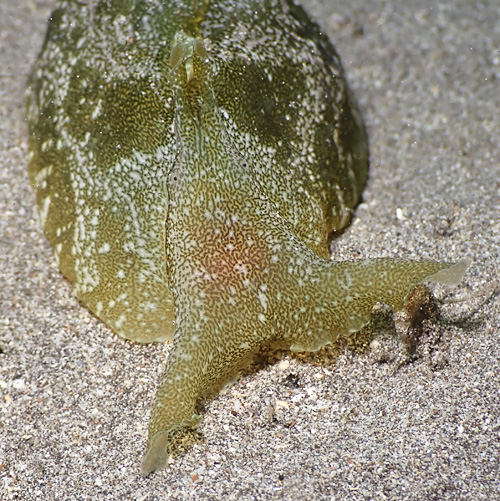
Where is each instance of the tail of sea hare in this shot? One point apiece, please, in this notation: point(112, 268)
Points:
point(312, 305)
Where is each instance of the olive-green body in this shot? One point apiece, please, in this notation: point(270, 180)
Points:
point(191, 160)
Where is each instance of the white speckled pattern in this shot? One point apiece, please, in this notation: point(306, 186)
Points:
point(201, 154)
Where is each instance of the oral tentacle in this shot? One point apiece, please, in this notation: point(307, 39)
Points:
point(229, 301)
point(239, 274)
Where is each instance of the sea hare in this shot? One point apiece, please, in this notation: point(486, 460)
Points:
point(191, 160)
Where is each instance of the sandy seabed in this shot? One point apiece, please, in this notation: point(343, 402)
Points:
point(75, 399)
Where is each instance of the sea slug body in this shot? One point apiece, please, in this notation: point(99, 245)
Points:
point(191, 161)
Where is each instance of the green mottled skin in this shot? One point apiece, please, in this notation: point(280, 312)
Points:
point(191, 160)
